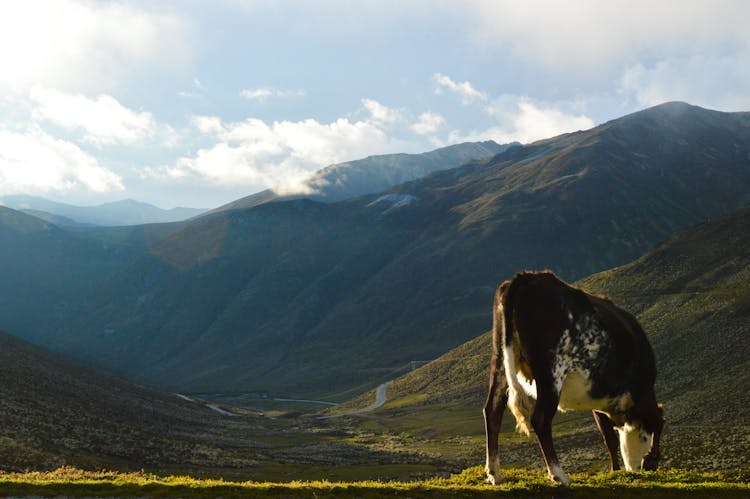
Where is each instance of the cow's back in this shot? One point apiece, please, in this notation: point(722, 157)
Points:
point(562, 330)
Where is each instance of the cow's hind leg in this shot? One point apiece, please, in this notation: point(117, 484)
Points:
point(541, 420)
point(611, 440)
point(497, 400)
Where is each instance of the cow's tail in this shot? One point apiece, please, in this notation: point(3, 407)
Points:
point(519, 401)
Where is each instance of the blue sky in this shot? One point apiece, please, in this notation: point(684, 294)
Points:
point(197, 103)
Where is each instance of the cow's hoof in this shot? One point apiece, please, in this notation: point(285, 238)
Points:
point(493, 479)
point(557, 475)
point(562, 480)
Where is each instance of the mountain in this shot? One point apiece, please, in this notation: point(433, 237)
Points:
point(374, 174)
point(54, 412)
point(692, 296)
point(125, 212)
point(58, 220)
point(42, 266)
point(325, 299)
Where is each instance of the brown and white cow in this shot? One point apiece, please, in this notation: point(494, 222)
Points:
point(571, 351)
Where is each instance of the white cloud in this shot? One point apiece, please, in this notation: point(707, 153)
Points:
point(465, 89)
point(263, 93)
point(379, 112)
point(428, 123)
point(520, 119)
point(208, 125)
point(591, 36)
point(79, 45)
point(718, 82)
point(278, 155)
point(33, 161)
point(103, 119)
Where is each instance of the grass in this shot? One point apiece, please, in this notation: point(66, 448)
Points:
point(73, 482)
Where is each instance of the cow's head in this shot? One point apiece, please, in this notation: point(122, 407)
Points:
point(639, 440)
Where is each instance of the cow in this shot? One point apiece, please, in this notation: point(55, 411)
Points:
point(570, 350)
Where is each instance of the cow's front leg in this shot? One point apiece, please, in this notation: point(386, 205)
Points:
point(611, 440)
point(497, 400)
point(541, 421)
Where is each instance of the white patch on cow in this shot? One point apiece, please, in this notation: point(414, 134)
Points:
point(576, 393)
point(518, 402)
point(592, 348)
point(576, 355)
point(570, 316)
point(528, 387)
point(634, 445)
point(563, 362)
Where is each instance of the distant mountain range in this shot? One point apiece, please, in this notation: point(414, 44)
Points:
point(325, 299)
point(125, 212)
point(374, 174)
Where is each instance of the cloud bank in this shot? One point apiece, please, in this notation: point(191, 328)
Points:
point(35, 162)
point(84, 46)
point(281, 154)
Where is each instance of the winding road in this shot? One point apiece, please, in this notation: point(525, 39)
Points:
point(380, 399)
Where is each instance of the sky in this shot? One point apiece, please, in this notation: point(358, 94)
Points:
point(198, 103)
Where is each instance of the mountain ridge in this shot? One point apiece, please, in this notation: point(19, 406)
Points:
point(321, 299)
point(371, 174)
point(116, 213)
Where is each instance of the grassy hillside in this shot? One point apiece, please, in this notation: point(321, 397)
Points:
point(310, 300)
point(55, 413)
point(691, 294)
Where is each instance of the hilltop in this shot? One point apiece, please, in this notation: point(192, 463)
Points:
point(372, 174)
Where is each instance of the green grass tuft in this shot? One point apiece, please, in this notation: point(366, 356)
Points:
point(73, 482)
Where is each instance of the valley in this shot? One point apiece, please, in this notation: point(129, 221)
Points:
point(345, 339)
point(304, 299)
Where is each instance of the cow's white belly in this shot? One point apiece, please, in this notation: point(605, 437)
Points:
point(575, 394)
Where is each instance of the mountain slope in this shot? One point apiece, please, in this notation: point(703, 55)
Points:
point(55, 413)
point(373, 174)
point(43, 266)
point(125, 212)
point(315, 299)
point(692, 296)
